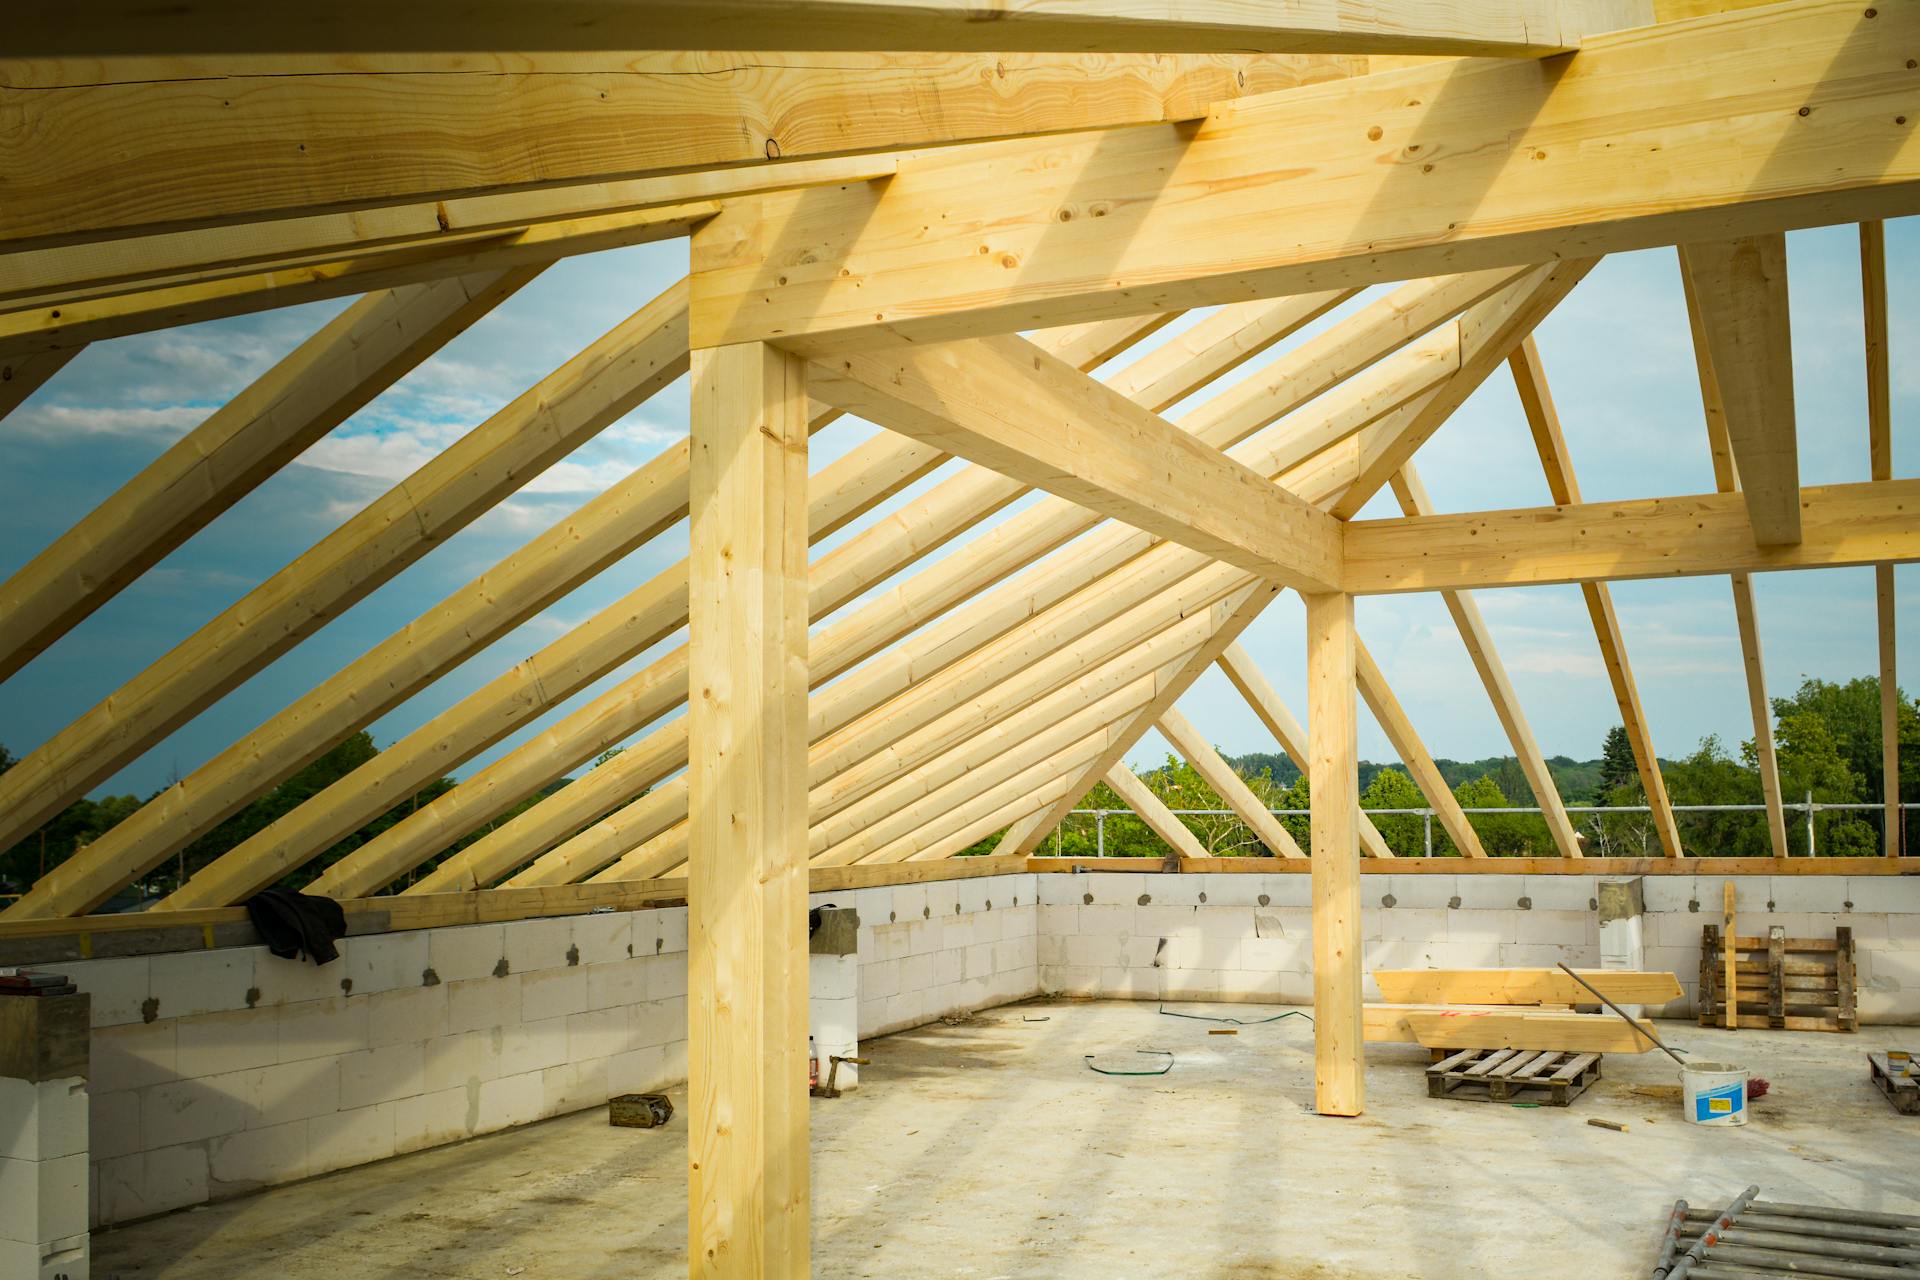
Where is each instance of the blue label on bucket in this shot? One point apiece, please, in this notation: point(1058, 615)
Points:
point(1718, 1104)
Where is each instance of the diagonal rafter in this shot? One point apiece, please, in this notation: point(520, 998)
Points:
point(1543, 419)
point(1230, 787)
point(1394, 721)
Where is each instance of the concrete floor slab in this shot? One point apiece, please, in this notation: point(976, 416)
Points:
point(989, 1150)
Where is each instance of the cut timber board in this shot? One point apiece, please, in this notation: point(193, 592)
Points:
point(1466, 1027)
point(1522, 986)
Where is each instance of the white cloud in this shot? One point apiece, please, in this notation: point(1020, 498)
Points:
point(166, 423)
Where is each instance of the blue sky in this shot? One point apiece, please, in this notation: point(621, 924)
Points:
point(1616, 352)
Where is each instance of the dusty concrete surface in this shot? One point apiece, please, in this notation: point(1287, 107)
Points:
point(989, 1150)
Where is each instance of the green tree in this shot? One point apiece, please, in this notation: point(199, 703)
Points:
point(1405, 833)
point(1617, 766)
point(1813, 763)
point(1518, 834)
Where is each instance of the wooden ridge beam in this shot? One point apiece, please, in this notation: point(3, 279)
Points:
point(1873, 289)
point(100, 145)
point(1004, 404)
point(1243, 674)
point(1149, 808)
point(1412, 494)
point(1842, 524)
point(1454, 166)
point(1227, 784)
point(324, 381)
point(616, 372)
point(40, 324)
point(1739, 288)
point(1536, 400)
point(1398, 727)
point(1726, 479)
point(1509, 28)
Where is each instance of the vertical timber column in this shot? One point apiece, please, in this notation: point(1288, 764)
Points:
point(1339, 1077)
point(747, 822)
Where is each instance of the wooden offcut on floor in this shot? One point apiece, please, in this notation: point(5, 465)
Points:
point(987, 1149)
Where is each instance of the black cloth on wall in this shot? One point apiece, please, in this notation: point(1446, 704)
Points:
point(291, 923)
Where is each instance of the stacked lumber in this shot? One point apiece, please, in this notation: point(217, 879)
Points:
point(1526, 1009)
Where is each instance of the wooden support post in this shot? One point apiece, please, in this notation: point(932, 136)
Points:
point(1873, 291)
point(1339, 1069)
point(747, 874)
point(1729, 955)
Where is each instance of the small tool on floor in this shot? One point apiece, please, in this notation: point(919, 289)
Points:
point(831, 1089)
point(639, 1110)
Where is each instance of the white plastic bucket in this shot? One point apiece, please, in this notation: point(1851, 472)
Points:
point(1714, 1093)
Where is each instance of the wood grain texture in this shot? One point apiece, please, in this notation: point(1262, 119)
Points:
point(1523, 986)
point(1873, 289)
point(1228, 785)
point(1466, 1028)
point(1339, 1060)
point(748, 1186)
point(1150, 809)
point(1461, 165)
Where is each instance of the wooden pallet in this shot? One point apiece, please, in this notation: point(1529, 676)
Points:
point(1552, 1077)
point(1793, 984)
point(1902, 1090)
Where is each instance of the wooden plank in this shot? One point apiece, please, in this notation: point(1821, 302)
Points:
point(21, 376)
point(100, 147)
point(1339, 1067)
point(1461, 1028)
point(1536, 400)
point(1873, 290)
point(1238, 666)
point(1730, 992)
point(1412, 495)
point(1841, 524)
point(746, 871)
point(1510, 28)
point(1227, 784)
point(1398, 727)
point(1382, 178)
point(1523, 986)
point(1150, 810)
point(618, 371)
point(1740, 289)
point(1004, 404)
point(324, 381)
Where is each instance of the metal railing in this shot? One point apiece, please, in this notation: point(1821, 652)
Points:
point(1810, 806)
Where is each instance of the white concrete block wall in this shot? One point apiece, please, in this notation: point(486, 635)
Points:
point(43, 1179)
point(1250, 937)
point(949, 946)
point(218, 1072)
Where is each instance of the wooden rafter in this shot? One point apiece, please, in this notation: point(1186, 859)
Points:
point(1873, 289)
point(1530, 379)
point(593, 390)
point(1150, 809)
point(1398, 727)
point(1241, 672)
point(1412, 495)
point(324, 381)
point(21, 376)
point(1454, 166)
point(1227, 784)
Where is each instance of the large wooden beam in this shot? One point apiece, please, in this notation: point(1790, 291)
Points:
point(1450, 167)
point(747, 870)
point(618, 371)
point(1523, 986)
point(21, 376)
point(1412, 495)
point(1536, 400)
point(99, 146)
point(1842, 524)
point(1003, 403)
point(353, 358)
point(1873, 289)
point(1506, 28)
point(1150, 809)
point(1339, 1053)
point(1227, 784)
point(1466, 1027)
point(1241, 672)
point(1726, 478)
point(1740, 290)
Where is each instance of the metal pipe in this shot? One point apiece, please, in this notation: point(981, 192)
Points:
point(1623, 1013)
point(1733, 1271)
point(1671, 1240)
point(1759, 1237)
point(1793, 1263)
point(1757, 1217)
point(1826, 1213)
point(1709, 1238)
